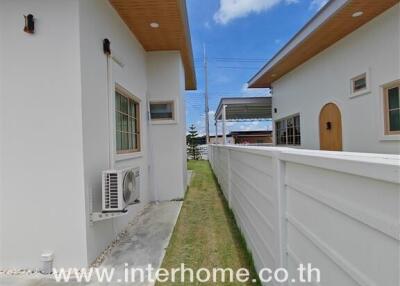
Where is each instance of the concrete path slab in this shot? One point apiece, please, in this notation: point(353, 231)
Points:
point(145, 243)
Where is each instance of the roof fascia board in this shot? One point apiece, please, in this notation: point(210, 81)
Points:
point(189, 47)
point(324, 14)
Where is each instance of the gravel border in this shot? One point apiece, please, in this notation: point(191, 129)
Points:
point(96, 263)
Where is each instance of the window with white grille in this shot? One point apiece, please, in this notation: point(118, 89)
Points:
point(287, 131)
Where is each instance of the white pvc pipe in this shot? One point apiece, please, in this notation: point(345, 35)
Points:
point(110, 96)
point(151, 171)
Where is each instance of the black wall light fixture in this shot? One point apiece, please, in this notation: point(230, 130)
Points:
point(29, 24)
point(107, 47)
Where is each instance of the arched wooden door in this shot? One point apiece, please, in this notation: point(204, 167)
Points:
point(330, 128)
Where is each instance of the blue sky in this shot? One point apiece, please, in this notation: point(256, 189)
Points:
point(240, 36)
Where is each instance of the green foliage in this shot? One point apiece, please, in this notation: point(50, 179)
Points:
point(193, 151)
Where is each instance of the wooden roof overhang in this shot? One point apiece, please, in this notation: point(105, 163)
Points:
point(173, 33)
point(332, 23)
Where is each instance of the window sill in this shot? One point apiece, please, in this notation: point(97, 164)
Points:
point(394, 137)
point(163, 122)
point(128, 156)
point(362, 92)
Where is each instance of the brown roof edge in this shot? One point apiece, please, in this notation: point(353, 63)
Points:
point(188, 62)
point(338, 23)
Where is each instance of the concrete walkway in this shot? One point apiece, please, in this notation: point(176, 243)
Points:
point(145, 244)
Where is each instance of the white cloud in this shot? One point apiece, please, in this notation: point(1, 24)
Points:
point(221, 78)
point(246, 127)
point(246, 91)
point(317, 4)
point(207, 25)
point(232, 9)
point(245, 87)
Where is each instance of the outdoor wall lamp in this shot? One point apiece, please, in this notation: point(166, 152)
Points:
point(29, 24)
point(107, 46)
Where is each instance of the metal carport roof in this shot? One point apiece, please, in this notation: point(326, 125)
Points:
point(245, 108)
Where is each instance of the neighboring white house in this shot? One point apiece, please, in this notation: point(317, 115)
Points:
point(336, 84)
point(62, 99)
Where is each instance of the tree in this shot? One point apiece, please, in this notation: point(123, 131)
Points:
point(192, 144)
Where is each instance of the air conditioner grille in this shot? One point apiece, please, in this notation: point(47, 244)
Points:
point(111, 191)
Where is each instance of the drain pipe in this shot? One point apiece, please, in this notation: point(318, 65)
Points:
point(150, 168)
point(109, 94)
point(109, 119)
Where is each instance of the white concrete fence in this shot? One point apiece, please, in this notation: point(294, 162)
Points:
point(339, 211)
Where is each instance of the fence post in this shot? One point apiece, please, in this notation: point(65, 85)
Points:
point(229, 178)
point(281, 220)
point(210, 156)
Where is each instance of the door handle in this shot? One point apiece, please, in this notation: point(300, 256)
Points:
point(329, 125)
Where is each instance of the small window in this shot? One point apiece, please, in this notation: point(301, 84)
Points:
point(288, 131)
point(162, 110)
point(359, 85)
point(392, 109)
point(127, 127)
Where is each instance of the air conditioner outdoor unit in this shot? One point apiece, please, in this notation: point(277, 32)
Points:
point(120, 188)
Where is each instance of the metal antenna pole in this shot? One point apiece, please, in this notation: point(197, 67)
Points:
point(206, 97)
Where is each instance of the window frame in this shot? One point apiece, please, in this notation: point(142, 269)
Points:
point(284, 122)
point(354, 93)
point(172, 120)
point(386, 111)
point(137, 103)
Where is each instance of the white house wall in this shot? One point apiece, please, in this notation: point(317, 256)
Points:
point(166, 83)
point(98, 20)
point(373, 48)
point(42, 202)
point(57, 128)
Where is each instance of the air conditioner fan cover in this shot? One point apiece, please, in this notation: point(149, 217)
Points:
point(128, 185)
